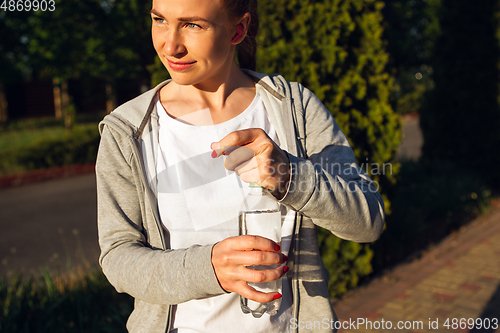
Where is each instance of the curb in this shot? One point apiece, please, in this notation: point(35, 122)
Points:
point(45, 174)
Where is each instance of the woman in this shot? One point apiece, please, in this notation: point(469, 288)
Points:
point(170, 173)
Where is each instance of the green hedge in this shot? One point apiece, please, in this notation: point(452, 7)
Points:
point(346, 262)
point(336, 49)
point(77, 147)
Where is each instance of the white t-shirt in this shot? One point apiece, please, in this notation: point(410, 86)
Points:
point(198, 200)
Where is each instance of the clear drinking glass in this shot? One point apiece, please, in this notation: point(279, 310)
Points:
point(260, 215)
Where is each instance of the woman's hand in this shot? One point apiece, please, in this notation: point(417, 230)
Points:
point(231, 256)
point(256, 159)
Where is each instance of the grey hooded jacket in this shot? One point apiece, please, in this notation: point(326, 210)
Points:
point(327, 188)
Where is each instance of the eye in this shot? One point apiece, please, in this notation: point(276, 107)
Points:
point(193, 25)
point(158, 20)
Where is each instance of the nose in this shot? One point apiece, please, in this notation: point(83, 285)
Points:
point(174, 44)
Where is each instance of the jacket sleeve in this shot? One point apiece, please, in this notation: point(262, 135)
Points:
point(328, 186)
point(128, 259)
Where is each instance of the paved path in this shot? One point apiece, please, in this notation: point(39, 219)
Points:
point(51, 223)
point(459, 278)
point(412, 138)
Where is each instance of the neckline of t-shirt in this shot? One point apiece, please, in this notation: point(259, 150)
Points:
point(164, 117)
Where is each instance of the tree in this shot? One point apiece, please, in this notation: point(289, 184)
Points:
point(413, 28)
point(335, 48)
point(461, 118)
point(412, 31)
point(50, 44)
point(100, 39)
point(125, 42)
point(12, 50)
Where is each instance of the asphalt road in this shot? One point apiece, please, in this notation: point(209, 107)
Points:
point(49, 224)
point(54, 223)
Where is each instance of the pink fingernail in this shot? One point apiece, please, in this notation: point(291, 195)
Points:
point(285, 258)
point(276, 247)
point(277, 296)
point(214, 154)
point(285, 269)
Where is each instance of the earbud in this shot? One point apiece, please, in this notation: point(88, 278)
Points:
point(239, 31)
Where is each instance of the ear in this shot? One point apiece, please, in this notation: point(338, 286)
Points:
point(239, 32)
point(241, 29)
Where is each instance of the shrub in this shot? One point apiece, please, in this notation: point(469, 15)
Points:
point(346, 262)
point(335, 49)
point(78, 147)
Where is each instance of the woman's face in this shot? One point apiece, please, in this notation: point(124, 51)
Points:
point(193, 40)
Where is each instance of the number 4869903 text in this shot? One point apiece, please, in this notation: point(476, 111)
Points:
point(28, 5)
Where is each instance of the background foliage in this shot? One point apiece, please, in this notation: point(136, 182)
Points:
point(81, 301)
point(446, 58)
point(412, 30)
point(461, 117)
point(441, 60)
point(335, 48)
point(50, 147)
point(102, 39)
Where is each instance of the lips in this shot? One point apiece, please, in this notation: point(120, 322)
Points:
point(180, 65)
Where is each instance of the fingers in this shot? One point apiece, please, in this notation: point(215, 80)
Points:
point(253, 294)
point(251, 242)
point(261, 258)
point(257, 296)
point(241, 157)
point(240, 286)
point(264, 275)
point(255, 158)
point(252, 258)
point(244, 162)
point(232, 256)
point(247, 250)
point(236, 139)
